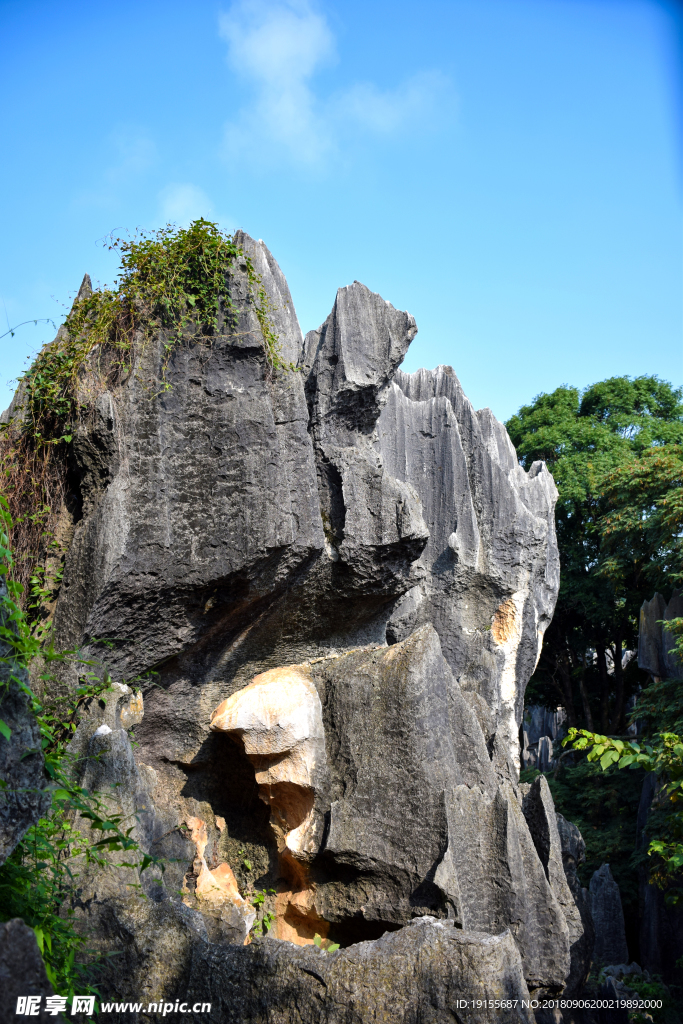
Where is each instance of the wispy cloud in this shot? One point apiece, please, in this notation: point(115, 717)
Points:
point(133, 152)
point(182, 203)
point(277, 47)
point(393, 110)
point(128, 154)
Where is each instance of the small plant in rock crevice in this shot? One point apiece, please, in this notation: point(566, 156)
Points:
point(264, 921)
point(325, 944)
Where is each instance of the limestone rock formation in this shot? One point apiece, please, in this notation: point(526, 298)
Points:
point(573, 853)
point(339, 577)
point(428, 971)
point(491, 561)
point(541, 731)
point(554, 849)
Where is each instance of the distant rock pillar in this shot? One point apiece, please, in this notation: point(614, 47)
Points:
point(608, 919)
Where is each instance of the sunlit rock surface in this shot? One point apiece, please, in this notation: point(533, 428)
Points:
point(491, 562)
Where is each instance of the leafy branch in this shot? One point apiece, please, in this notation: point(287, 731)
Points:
point(38, 882)
point(663, 756)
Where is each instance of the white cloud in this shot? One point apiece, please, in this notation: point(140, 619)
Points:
point(182, 203)
point(277, 47)
point(393, 110)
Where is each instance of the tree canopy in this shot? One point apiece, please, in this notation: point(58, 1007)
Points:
point(616, 453)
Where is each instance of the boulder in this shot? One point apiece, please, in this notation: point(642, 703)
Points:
point(427, 971)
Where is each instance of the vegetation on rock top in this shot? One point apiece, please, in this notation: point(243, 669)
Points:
point(173, 283)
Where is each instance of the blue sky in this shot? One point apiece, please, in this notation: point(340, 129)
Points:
point(509, 171)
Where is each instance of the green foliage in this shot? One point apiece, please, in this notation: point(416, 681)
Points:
point(604, 807)
point(642, 529)
point(659, 707)
point(652, 989)
point(664, 757)
point(39, 879)
point(615, 453)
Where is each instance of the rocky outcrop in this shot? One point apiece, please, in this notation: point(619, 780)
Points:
point(428, 971)
point(582, 947)
point(608, 918)
point(559, 854)
point(541, 731)
point(338, 577)
point(278, 719)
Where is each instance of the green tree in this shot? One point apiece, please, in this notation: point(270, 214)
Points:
point(614, 451)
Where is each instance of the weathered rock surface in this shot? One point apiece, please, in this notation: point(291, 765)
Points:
point(429, 971)
point(608, 918)
point(340, 578)
point(491, 562)
point(554, 854)
point(573, 854)
point(541, 730)
point(24, 796)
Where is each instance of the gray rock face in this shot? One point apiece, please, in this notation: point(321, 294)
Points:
point(425, 972)
point(24, 798)
point(654, 639)
point(573, 853)
point(364, 547)
point(429, 971)
point(608, 919)
point(491, 561)
point(559, 854)
point(367, 513)
point(419, 820)
point(22, 971)
point(210, 507)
